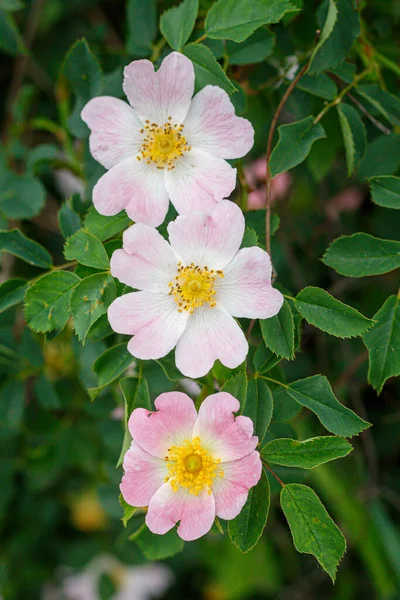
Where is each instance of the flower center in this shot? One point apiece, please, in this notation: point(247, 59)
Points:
point(192, 467)
point(193, 287)
point(163, 145)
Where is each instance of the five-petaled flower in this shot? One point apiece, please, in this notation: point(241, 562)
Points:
point(191, 289)
point(190, 467)
point(166, 145)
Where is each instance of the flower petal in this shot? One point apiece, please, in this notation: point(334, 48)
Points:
point(170, 424)
point(153, 319)
point(199, 180)
point(245, 290)
point(208, 240)
point(147, 261)
point(231, 490)
point(195, 513)
point(115, 130)
point(162, 94)
point(218, 430)
point(143, 476)
point(211, 334)
point(212, 126)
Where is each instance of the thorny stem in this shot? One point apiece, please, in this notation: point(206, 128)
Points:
point(273, 473)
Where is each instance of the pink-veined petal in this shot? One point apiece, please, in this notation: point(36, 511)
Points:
point(212, 126)
point(157, 95)
point(153, 319)
point(171, 424)
point(147, 262)
point(115, 130)
point(135, 186)
point(195, 513)
point(144, 474)
point(231, 490)
point(210, 334)
point(245, 290)
point(208, 240)
point(198, 181)
point(218, 430)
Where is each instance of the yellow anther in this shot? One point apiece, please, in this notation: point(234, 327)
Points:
point(194, 286)
point(162, 145)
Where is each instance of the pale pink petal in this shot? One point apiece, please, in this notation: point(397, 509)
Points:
point(198, 181)
point(208, 240)
point(211, 334)
point(245, 290)
point(195, 513)
point(246, 424)
point(147, 261)
point(231, 490)
point(135, 186)
point(143, 475)
point(171, 424)
point(165, 93)
point(153, 319)
point(212, 126)
point(115, 130)
point(218, 431)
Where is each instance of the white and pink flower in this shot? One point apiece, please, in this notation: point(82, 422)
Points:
point(190, 467)
point(191, 289)
point(166, 145)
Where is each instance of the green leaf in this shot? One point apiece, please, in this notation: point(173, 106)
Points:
point(177, 23)
point(329, 24)
point(250, 238)
point(141, 19)
point(246, 529)
point(82, 70)
point(318, 85)
point(14, 242)
point(10, 38)
point(106, 227)
point(68, 220)
point(87, 249)
point(136, 395)
point(354, 135)
point(237, 386)
point(46, 301)
point(307, 454)
point(255, 219)
point(278, 332)
point(158, 547)
point(361, 255)
point(259, 406)
point(129, 511)
point(21, 196)
point(382, 156)
point(316, 394)
point(254, 50)
point(312, 528)
point(89, 300)
point(12, 404)
point(383, 344)
point(46, 394)
point(264, 359)
point(41, 154)
point(342, 29)
point(285, 408)
point(237, 19)
point(12, 292)
point(207, 70)
point(169, 367)
point(294, 144)
point(385, 103)
point(385, 191)
point(109, 366)
point(328, 314)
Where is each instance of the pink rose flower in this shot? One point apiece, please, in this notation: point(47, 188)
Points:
point(190, 467)
point(191, 288)
point(166, 145)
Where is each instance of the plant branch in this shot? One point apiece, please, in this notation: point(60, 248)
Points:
point(342, 94)
point(273, 473)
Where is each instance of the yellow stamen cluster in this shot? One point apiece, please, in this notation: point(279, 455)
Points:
point(192, 467)
point(193, 287)
point(163, 145)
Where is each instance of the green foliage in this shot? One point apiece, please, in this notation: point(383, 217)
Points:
point(16, 243)
point(109, 366)
point(354, 135)
point(87, 249)
point(156, 547)
point(295, 141)
point(105, 227)
point(254, 50)
point(382, 342)
point(141, 20)
point(329, 24)
point(386, 104)
point(12, 292)
point(136, 395)
point(385, 191)
point(307, 454)
point(176, 24)
point(312, 528)
point(207, 70)
point(21, 196)
point(89, 300)
point(68, 220)
point(259, 406)
point(278, 332)
point(361, 254)
point(10, 38)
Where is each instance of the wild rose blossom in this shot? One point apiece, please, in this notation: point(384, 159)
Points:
point(191, 289)
point(190, 467)
point(166, 145)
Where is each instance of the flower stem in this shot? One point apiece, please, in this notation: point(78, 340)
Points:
point(273, 473)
